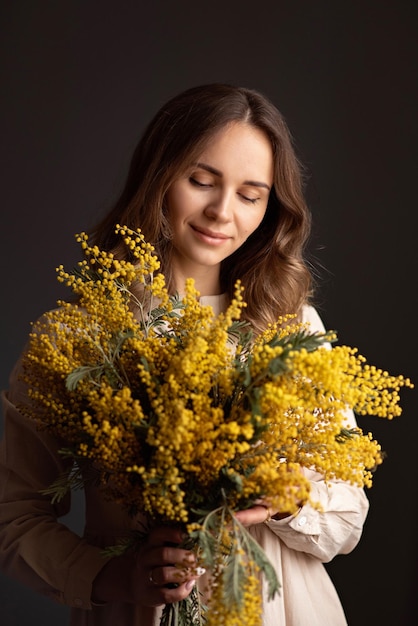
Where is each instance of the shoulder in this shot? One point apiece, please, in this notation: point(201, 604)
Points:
point(311, 316)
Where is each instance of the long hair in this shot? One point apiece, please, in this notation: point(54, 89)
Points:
point(270, 264)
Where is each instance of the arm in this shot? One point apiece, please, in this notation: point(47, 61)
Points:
point(34, 547)
point(45, 555)
point(336, 529)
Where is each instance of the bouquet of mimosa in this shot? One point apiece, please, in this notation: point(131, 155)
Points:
point(186, 417)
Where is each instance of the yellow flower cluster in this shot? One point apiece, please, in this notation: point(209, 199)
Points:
point(223, 613)
point(237, 563)
point(178, 419)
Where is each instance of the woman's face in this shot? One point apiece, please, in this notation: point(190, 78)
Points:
point(219, 203)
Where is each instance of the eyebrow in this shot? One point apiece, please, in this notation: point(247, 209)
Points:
point(213, 170)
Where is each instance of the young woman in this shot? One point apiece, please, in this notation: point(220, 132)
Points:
point(215, 185)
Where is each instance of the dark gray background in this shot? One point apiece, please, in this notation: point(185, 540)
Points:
point(80, 80)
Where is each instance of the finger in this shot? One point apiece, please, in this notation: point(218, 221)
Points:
point(170, 595)
point(161, 548)
point(255, 515)
point(165, 535)
point(159, 595)
point(167, 555)
point(173, 576)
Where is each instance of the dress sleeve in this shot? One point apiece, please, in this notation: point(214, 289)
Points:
point(337, 527)
point(310, 315)
point(35, 548)
point(334, 529)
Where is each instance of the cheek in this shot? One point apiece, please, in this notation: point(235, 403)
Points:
point(174, 206)
point(179, 203)
point(251, 225)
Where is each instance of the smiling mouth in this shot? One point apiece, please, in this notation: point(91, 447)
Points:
point(209, 235)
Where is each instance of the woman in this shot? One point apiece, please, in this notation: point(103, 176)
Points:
point(215, 185)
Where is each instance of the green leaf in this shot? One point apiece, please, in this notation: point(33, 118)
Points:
point(234, 575)
point(258, 555)
point(78, 374)
point(346, 434)
point(71, 479)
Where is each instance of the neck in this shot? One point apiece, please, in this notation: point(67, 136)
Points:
point(206, 282)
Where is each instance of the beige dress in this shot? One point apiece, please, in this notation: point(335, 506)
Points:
point(39, 551)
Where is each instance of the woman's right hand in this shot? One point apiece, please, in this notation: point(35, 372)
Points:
point(159, 573)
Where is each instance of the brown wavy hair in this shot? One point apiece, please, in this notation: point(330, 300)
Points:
point(271, 263)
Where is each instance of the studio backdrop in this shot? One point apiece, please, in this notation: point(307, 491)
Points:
point(80, 80)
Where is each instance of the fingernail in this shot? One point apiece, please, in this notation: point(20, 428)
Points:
point(190, 584)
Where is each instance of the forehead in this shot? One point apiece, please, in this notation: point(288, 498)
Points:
point(233, 131)
point(240, 146)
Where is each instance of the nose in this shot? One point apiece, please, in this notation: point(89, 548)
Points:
point(220, 206)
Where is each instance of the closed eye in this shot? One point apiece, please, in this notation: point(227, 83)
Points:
point(198, 183)
point(247, 199)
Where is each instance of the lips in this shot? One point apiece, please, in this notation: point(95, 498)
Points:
point(209, 234)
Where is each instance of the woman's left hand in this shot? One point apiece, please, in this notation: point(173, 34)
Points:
point(259, 513)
